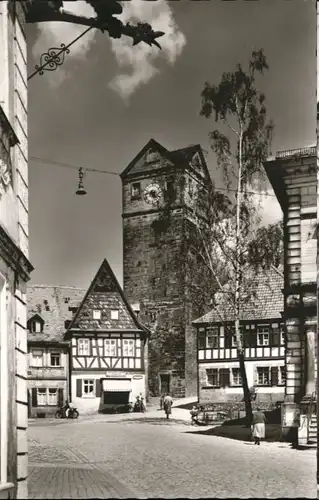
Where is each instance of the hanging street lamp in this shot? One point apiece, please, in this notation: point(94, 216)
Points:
point(80, 190)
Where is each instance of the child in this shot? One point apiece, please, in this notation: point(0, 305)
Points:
point(194, 413)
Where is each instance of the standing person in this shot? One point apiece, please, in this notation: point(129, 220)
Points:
point(143, 407)
point(168, 403)
point(194, 414)
point(258, 426)
point(162, 400)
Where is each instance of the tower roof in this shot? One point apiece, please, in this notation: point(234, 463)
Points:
point(161, 158)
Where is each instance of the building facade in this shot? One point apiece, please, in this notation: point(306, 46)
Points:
point(108, 348)
point(158, 191)
point(15, 267)
point(50, 308)
point(293, 175)
point(219, 379)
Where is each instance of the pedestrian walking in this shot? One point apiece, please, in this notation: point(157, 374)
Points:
point(258, 426)
point(168, 403)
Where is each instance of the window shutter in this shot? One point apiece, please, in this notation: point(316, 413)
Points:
point(34, 397)
point(275, 337)
point(224, 377)
point(201, 338)
point(60, 400)
point(228, 338)
point(98, 383)
point(274, 375)
point(253, 338)
point(78, 387)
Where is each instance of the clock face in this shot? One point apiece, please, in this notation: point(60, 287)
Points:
point(153, 193)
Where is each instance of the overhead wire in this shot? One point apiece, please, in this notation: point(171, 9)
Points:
point(107, 172)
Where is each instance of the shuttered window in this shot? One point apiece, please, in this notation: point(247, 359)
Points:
point(263, 375)
point(218, 377)
point(88, 388)
point(47, 396)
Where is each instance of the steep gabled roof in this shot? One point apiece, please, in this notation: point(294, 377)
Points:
point(104, 294)
point(52, 304)
point(178, 158)
point(267, 303)
point(134, 166)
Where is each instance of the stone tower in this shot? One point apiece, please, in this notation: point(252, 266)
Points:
point(158, 189)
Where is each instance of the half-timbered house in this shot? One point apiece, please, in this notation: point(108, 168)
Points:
point(108, 348)
point(50, 309)
point(261, 324)
point(293, 175)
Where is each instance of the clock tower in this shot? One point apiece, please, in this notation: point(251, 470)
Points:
point(158, 186)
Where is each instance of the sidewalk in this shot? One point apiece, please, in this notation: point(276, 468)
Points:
point(179, 415)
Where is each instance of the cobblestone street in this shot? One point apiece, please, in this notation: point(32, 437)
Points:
point(118, 457)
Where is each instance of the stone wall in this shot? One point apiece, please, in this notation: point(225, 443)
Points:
point(14, 264)
point(153, 276)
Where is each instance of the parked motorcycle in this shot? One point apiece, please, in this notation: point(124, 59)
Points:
point(61, 413)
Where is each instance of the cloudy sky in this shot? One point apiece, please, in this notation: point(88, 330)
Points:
point(101, 107)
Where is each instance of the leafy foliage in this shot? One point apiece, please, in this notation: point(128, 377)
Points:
point(230, 242)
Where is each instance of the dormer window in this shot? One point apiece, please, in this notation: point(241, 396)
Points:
point(35, 324)
point(114, 314)
point(96, 314)
point(136, 191)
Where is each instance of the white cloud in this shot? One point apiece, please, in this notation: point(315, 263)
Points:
point(137, 63)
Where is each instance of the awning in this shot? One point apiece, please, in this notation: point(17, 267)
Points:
point(116, 385)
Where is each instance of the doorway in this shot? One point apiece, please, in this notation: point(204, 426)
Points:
point(164, 383)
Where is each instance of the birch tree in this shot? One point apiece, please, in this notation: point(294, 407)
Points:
point(239, 107)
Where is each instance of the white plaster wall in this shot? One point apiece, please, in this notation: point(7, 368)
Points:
point(88, 404)
point(224, 393)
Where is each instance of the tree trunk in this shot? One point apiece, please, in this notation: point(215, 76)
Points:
point(240, 347)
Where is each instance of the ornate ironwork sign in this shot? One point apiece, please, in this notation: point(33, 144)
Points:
point(52, 10)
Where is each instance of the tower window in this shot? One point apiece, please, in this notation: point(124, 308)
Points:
point(136, 191)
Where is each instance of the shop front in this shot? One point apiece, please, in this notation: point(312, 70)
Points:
point(119, 391)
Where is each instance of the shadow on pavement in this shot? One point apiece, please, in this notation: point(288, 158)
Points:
point(156, 421)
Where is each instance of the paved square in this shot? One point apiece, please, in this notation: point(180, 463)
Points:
point(110, 458)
